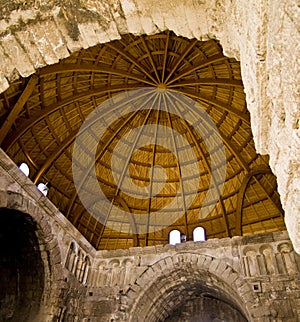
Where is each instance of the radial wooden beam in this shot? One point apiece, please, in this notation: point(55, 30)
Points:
point(246, 167)
point(132, 222)
point(100, 153)
point(217, 104)
point(208, 61)
point(244, 164)
point(184, 208)
point(165, 56)
point(234, 151)
point(54, 155)
point(14, 113)
point(132, 59)
point(90, 68)
point(122, 176)
point(210, 172)
point(151, 60)
point(208, 81)
point(268, 196)
point(181, 58)
point(151, 175)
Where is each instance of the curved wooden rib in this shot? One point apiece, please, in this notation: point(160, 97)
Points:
point(124, 169)
point(132, 222)
point(151, 59)
point(27, 124)
point(151, 177)
point(132, 59)
point(54, 155)
point(98, 156)
point(211, 60)
point(241, 195)
point(90, 68)
point(180, 174)
point(165, 56)
point(210, 172)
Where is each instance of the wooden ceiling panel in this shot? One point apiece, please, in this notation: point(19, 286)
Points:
point(41, 117)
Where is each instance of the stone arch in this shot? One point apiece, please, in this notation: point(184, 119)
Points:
point(287, 259)
point(71, 255)
point(269, 261)
point(101, 274)
point(47, 247)
point(176, 278)
point(86, 269)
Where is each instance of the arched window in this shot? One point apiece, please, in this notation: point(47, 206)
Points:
point(24, 168)
point(44, 188)
point(199, 234)
point(174, 237)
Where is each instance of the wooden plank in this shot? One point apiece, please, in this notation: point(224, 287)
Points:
point(18, 107)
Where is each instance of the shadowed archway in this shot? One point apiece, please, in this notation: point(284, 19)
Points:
point(22, 272)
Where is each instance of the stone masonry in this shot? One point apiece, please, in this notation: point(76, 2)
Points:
point(256, 278)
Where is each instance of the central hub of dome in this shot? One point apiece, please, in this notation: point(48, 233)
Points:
point(161, 86)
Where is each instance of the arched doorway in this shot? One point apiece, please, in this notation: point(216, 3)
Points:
point(189, 291)
point(22, 271)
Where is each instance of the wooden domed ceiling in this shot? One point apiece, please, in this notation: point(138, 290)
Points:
point(173, 87)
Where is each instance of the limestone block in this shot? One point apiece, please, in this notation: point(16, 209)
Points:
point(13, 49)
point(87, 31)
point(7, 68)
point(56, 40)
point(26, 39)
point(40, 36)
point(71, 43)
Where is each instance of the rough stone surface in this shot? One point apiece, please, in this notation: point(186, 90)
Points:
point(254, 278)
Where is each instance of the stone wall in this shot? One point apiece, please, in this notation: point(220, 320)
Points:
point(263, 35)
point(206, 309)
point(58, 287)
point(257, 277)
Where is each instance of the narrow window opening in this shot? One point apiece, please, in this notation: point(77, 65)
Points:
point(44, 188)
point(174, 237)
point(199, 234)
point(24, 168)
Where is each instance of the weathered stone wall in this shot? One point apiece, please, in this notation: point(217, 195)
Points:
point(206, 309)
point(62, 286)
point(263, 35)
point(258, 276)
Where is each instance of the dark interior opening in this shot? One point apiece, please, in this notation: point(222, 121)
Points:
point(21, 267)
